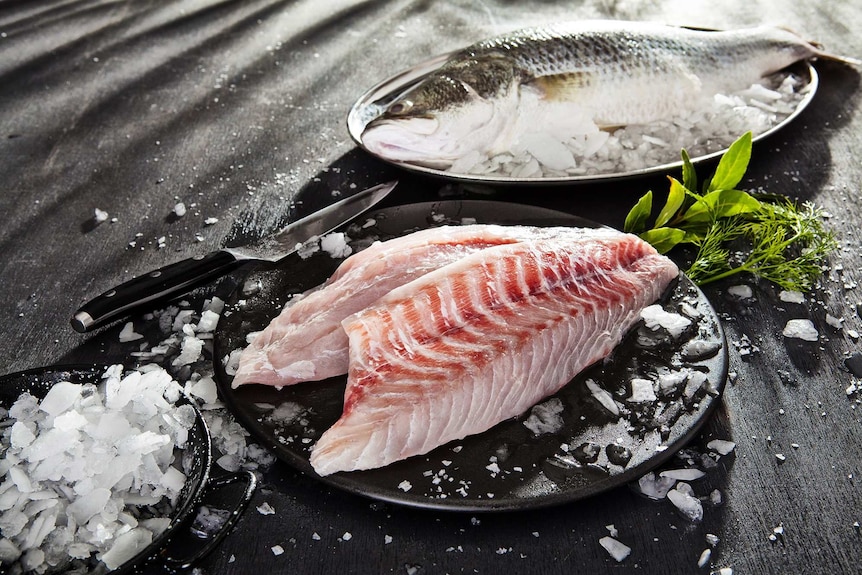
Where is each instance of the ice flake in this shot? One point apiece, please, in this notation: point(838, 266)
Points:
point(721, 446)
point(128, 334)
point(265, 509)
point(619, 551)
point(788, 296)
point(545, 417)
point(655, 487)
point(656, 317)
point(603, 397)
point(335, 244)
point(712, 539)
point(683, 474)
point(690, 507)
point(740, 291)
point(642, 391)
point(800, 329)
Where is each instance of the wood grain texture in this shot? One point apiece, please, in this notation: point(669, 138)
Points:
point(237, 109)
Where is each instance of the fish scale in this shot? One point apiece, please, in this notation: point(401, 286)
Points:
point(530, 316)
point(641, 47)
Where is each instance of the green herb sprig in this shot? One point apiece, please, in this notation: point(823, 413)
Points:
point(735, 231)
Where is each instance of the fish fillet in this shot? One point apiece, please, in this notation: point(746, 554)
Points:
point(306, 341)
point(482, 339)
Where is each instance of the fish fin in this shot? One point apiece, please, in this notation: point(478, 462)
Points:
point(561, 87)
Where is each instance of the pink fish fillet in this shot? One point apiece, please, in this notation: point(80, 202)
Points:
point(306, 341)
point(481, 340)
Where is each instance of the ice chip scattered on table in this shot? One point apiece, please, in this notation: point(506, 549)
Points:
point(689, 506)
point(791, 296)
point(655, 486)
point(740, 291)
point(721, 446)
point(800, 329)
point(619, 551)
point(128, 333)
point(208, 322)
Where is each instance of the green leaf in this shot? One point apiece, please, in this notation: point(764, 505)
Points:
point(695, 236)
point(698, 214)
point(663, 239)
point(675, 198)
point(731, 168)
point(689, 176)
point(727, 203)
point(636, 220)
point(735, 231)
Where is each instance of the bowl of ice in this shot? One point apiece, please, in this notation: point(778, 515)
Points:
point(101, 469)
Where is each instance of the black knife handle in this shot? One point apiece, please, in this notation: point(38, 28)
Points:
point(171, 280)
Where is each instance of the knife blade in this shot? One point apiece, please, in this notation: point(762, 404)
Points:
point(180, 277)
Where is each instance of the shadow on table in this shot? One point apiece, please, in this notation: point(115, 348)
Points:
point(797, 161)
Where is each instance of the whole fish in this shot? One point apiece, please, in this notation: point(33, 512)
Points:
point(571, 78)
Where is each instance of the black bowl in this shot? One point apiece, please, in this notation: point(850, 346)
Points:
point(197, 458)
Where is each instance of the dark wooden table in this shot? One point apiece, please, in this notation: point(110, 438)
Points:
point(238, 110)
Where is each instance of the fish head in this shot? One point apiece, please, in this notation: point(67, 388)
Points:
point(456, 110)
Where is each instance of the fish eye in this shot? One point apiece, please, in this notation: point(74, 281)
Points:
point(401, 107)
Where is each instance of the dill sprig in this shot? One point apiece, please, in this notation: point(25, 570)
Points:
point(735, 231)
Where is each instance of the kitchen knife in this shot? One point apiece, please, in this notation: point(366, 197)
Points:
point(178, 278)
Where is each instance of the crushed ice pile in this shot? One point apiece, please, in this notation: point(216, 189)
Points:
point(592, 151)
point(89, 469)
point(92, 438)
point(186, 352)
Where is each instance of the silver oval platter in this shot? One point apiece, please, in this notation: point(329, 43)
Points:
point(375, 101)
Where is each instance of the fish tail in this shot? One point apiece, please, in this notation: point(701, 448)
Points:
point(822, 54)
point(836, 58)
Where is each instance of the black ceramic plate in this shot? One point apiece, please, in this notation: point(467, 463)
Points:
point(507, 467)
